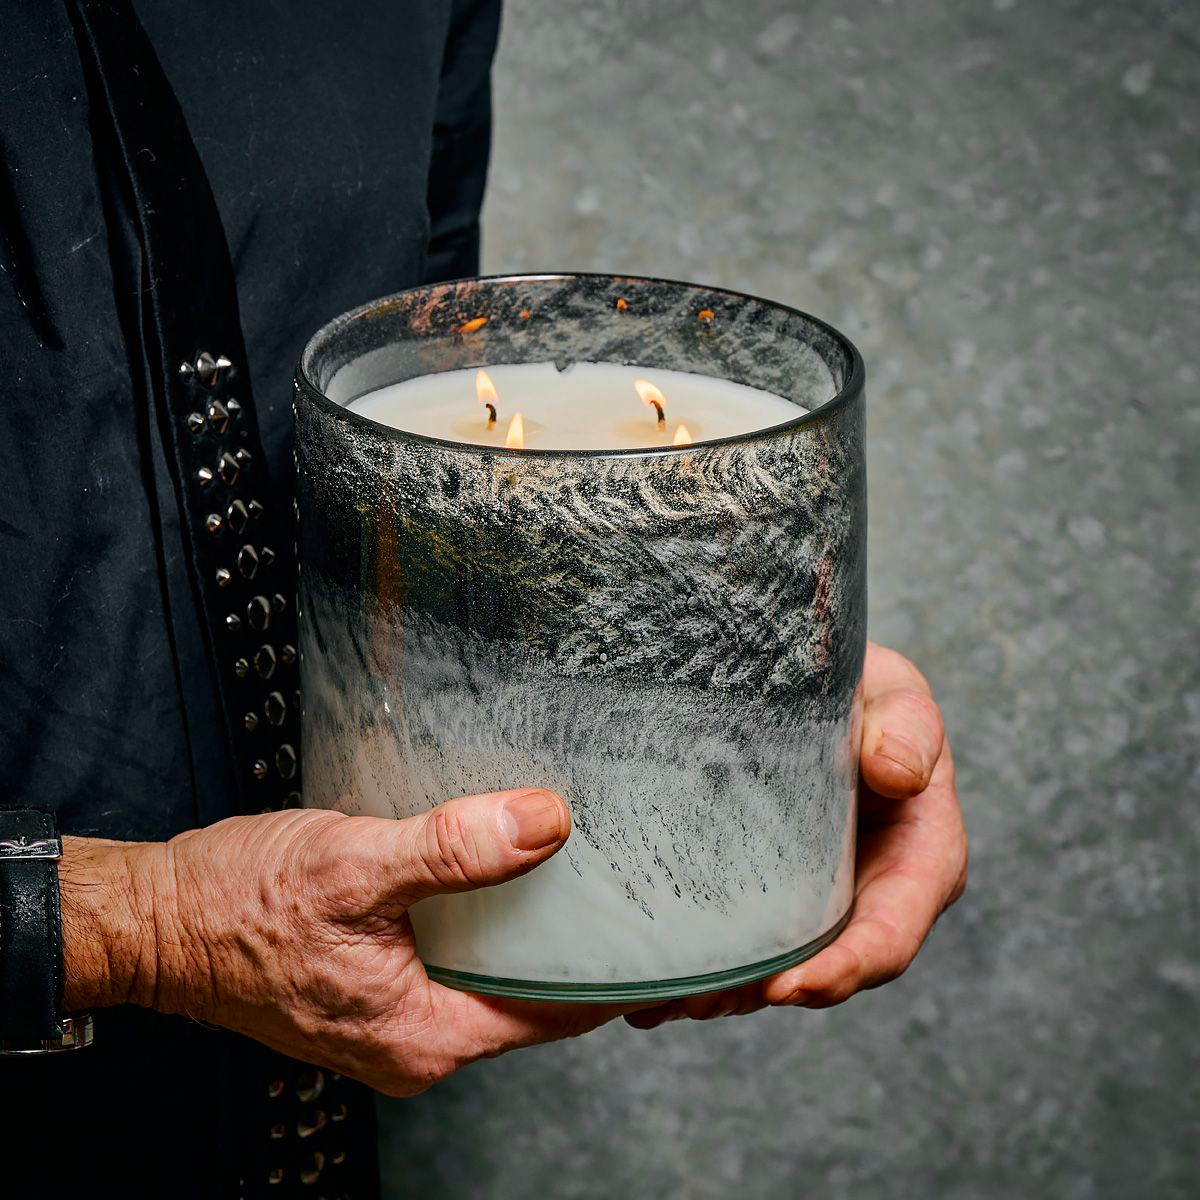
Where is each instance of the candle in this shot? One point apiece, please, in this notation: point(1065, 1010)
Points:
point(588, 406)
point(672, 640)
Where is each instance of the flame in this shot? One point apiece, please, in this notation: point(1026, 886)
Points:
point(683, 436)
point(652, 397)
point(515, 438)
point(485, 389)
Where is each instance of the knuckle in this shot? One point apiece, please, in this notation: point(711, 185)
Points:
point(451, 852)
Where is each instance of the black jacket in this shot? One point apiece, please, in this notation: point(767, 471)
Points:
point(345, 146)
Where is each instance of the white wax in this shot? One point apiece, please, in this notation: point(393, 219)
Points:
point(589, 406)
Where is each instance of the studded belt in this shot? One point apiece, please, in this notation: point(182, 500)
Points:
point(310, 1133)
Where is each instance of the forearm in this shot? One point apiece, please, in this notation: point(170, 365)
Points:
point(110, 922)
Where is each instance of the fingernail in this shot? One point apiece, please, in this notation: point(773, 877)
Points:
point(533, 820)
point(900, 750)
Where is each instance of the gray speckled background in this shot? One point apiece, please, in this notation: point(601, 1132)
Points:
point(999, 201)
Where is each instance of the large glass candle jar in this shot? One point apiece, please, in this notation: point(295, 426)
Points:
point(669, 634)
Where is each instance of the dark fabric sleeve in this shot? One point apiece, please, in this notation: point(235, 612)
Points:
point(461, 141)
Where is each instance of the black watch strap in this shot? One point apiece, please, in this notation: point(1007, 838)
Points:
point(31, 960)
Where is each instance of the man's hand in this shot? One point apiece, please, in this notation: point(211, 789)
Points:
point(292, 928)
point(912, 856)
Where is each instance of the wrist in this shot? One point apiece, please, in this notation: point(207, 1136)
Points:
point(110, 923)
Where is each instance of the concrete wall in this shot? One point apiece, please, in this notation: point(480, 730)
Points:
point(998, 200)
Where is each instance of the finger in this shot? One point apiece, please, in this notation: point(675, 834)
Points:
point(910, 871)
point(471, 842)
point(902, 725)
point(467, 1027)
point(711, 1006)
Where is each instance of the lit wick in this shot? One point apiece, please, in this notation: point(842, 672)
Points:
point(485, 389)
point(515, 438)
point(653, 398)
point(683, 436)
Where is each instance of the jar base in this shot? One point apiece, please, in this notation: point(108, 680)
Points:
point(632, 993)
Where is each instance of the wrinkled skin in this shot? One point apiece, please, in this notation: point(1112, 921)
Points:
point(292, 927)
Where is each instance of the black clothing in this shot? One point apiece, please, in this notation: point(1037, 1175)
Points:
point(345, 146)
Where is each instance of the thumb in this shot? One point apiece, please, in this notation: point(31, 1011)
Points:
point(473, 842)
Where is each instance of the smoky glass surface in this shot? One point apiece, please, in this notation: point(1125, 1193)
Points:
point(672, 638)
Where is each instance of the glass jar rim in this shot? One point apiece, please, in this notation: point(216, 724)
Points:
point(850, 390)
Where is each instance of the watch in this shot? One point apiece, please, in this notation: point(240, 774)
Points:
point(31, 959)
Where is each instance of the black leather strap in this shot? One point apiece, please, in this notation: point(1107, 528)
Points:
point(240, 546)
point(31, 962)
point(308, 1132)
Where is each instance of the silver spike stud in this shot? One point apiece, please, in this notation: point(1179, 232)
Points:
point(288, 654)
point(264, 661)
point(275, 708)
point(250, 720)
point(247, 561)
point(258, 613)
point(208, 368)
point(218, 417)
point(243, 455)
point(241, 668)
point(195, 420)
point(285, 761)
point(228, 467)
point(238, 515)
point(224, 577)
point(213, 522)
point(204, 476)
point(256, 509)
point(233, 622)
point(260, 769)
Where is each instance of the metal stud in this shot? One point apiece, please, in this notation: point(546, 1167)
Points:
point(310, 1084)
point(341, 1113)
point(276, 708)
point(275, 1088)
point(260, 769)
point(288, 654)
point(233, 622)
point(204, 476)
point(224, 576)
point(233, 406)
point(228, 467)
point(285, 763)
point(311, 1124)
point(264, 661)
point(243, 455)
point(250, 720)
point(276, 1175)
point(258, 612)
point(267, 555)
point(195, 420)
point(338, 1157)
point(256, 509)
point(207, 368)
point(241, 668)
point(237, 515)
point(213, 522)
point(279, 602)
point(279, 1131)
point(247, 561)
point(310, 1170)
point(218, 417)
